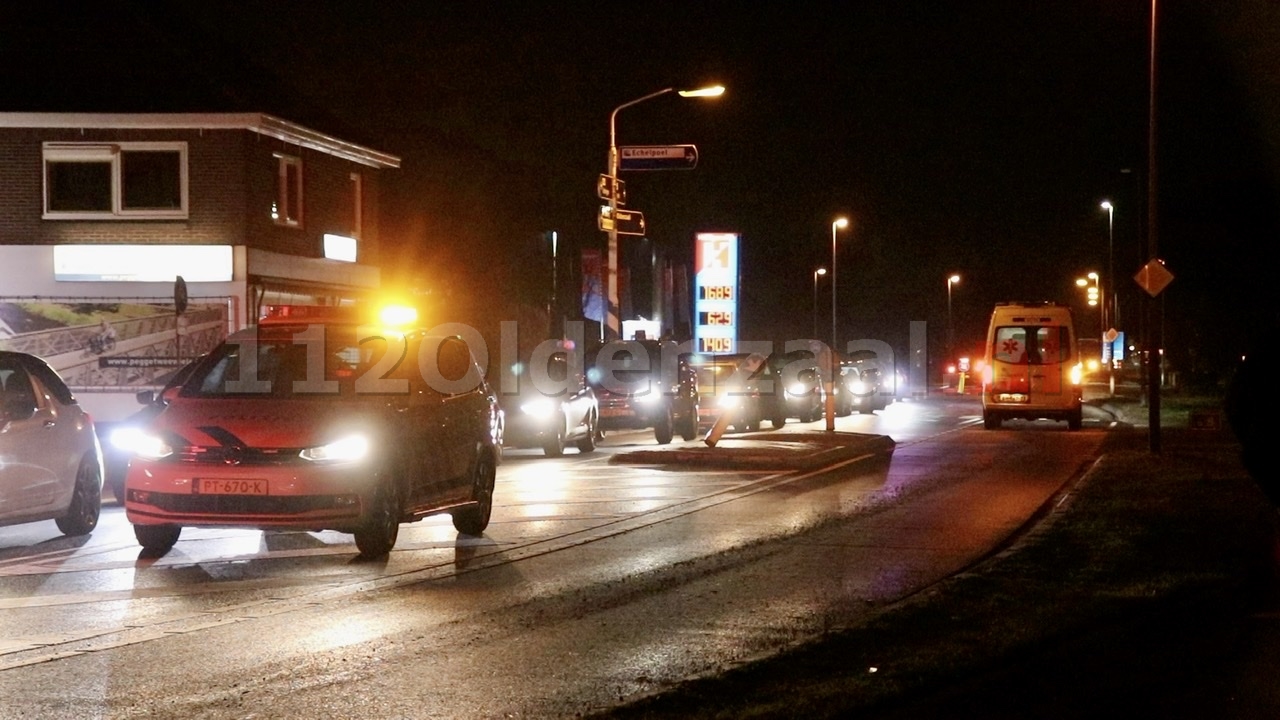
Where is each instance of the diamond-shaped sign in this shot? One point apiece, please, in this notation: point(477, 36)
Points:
point(1153, 277)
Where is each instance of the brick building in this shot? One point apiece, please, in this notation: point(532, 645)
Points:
point(106, 211)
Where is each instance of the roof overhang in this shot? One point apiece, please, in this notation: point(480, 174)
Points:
point(260, 123)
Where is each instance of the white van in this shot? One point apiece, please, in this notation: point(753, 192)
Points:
point(1033, 367)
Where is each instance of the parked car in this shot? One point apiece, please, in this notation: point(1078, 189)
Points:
point(797, 388)
point(340, 427)
point(50, 459)
point(116, 438)
point(640, 391)
point(566, 413)
point(730, 383)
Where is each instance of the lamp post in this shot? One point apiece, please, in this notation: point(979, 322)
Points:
point(835, 225)
point(612, 323)
point(816, 273)
point(951, 335)
point(1113, 312)
point(834, 364)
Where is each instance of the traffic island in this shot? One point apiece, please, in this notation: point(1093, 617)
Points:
point(798, 451)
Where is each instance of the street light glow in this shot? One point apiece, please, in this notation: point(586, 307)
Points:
point(954, 279)
point(1106, 205)
point(821, 271)
point(713, 91)
point(841, 223)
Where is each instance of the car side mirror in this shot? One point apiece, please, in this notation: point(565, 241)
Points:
point(145, 397)
point(169, 394)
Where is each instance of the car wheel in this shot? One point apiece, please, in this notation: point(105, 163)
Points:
point(86, 501)
point(990, 421)
point(157, 539)
point(663, 431)
point(778, 420)
point(587, 442)
point(689, 426)
point(553, 445)
point(1075, 420)
point(474, 519)
point(381, 526)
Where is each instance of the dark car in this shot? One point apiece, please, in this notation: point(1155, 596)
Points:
point(317, 419)
point(563, 411)
point(50, 463)
point(797, 388)
point(861, 387)
point(642, 388)
point(116, 437)
point(730, 383)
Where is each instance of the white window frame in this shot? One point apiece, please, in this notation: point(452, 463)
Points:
point(110, 153)
point(280, 211)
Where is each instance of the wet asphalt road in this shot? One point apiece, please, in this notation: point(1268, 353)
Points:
point(597, 582)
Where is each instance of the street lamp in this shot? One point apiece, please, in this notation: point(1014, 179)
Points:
point(835, 225)
point(1114, 312)
point(1111, 311)
point(1093, 293)
point(611, 313)
point(816, 273)
point(831, 376)
point(951, 339)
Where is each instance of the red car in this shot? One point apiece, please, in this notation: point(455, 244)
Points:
point(313, 421)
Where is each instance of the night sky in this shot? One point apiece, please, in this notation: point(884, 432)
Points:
point(974, 137)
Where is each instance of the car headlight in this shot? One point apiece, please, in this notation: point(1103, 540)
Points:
point(858, 387)
point(649, 398)
point(798, 389)
point(541, 407)
point(347, 449)
point(729, 401)
point(143, 444)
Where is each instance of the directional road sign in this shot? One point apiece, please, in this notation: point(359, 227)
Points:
point(607, 186)
point(626, 222)
point(657, 157)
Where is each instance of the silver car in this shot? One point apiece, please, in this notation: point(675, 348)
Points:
point(50, 460)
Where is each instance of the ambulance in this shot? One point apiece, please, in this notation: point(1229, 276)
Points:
point(1033, 367)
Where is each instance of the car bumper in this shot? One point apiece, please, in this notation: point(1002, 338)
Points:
point(308, 496)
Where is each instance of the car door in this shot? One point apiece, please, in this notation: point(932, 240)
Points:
point(465, 411)
point(34, 445)
point(421, 427)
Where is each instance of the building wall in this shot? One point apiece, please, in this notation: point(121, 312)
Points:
point(231, 187)
point(215, 190)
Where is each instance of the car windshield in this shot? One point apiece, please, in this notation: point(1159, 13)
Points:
point(288, 364)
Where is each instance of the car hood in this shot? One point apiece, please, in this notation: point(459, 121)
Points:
point(263, 424)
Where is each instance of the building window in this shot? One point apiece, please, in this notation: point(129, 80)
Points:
point(129, 180)
point(287, 207)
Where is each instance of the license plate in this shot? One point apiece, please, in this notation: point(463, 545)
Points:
point(1011, 398)
point(230, 486)
point(614, 412)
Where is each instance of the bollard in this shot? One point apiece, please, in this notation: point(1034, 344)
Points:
point(718, 429)
point(831, 408)
point(960, 384)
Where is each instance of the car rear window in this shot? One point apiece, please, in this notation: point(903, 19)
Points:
point(1032, 344)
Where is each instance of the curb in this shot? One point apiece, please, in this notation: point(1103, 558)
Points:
point(766, 451)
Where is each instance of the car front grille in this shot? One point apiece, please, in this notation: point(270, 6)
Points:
point(250, 504)
point(231, 455)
